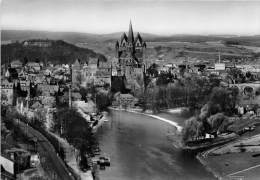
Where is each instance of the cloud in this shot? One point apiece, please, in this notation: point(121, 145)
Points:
point(161, 17)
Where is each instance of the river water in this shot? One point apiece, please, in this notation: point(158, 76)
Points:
point(141, 148)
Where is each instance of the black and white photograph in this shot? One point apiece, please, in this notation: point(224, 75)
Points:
point(130, 89)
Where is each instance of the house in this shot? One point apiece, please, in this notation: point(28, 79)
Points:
point(90, 71)
point(7, 168)
point(7, 91)
point(124, 100)
point(48, 72)
point(34, 66)
point(103, 73)
point(39, 79)
point(76, 96)
point(22, 105)
point(16, 64)
point(37, 105)
point(22, 74)
point(11, 73)
point(47, 89)
point(49, 101)
point(34, 160)
point(25, 85)
point(258, 112)
point(76, 71)
point(86, 107)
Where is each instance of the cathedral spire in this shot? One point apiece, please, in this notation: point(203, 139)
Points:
point(130, 33)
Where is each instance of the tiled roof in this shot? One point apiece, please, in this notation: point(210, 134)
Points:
point(34, 64)
point(16, 62)
point(130, 34)
point(124, 37)
point(138, 37)
point(76, 63)
point(36, 105)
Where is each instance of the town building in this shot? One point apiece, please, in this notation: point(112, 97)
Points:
point(76, 72)
point(37, 43)
point(7, 92)
point(16, 64)
point(34, 66)
point(124, 100)
point(249, 93)
point(11, 73)
point(95, 72)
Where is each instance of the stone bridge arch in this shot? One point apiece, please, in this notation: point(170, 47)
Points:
point(249, 93)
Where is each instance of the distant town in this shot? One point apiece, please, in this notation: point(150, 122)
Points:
point(54, 115)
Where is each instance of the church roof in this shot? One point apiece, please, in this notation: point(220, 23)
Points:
point(76, 63)
point(117, 44)
point(144, 44)
point(130, 34)
point(123, 37)
point(138, 37)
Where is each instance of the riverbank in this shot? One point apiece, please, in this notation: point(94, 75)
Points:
point(149, 113)
point(100, 122)
point(71, 156)
point(238, 158)
point(141, 147)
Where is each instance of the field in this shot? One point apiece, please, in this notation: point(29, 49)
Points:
point(239, 158)
point(160, 49)
point(177, 52)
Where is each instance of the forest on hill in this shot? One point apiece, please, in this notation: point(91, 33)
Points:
point(59, 52)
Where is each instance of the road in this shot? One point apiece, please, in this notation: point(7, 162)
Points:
point(51, 162)
point(141, 147)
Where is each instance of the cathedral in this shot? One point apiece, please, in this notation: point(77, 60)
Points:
point(130, 55)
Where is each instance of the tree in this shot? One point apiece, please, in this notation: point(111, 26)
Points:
point(223, 100)
point(164, 78)
point(25, 60)
point(237, 75)
point(192, 129)
point(215, 121)
point(4, 97)
point(74, 128)
point(152, 70)
point(103, 100)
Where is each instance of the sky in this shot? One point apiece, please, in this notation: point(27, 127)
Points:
point(162, 17)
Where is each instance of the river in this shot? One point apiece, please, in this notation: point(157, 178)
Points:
point(141, 148)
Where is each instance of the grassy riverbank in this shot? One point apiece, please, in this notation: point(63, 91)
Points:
point(239, 158)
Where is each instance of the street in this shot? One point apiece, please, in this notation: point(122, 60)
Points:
point(49, 159)
point(140, 147)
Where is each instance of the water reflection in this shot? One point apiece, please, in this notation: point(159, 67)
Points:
point(141, 147)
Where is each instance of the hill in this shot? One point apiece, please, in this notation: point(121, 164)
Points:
point(162, 49)
point(71, 37)
point(59, 52)
point(76, 37)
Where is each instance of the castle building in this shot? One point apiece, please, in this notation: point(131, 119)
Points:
point(130, 53)
point(76, 72)
point(37, 43)
point(7, 91)
point(95, 71)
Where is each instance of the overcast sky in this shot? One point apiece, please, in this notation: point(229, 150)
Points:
point(150, 16)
